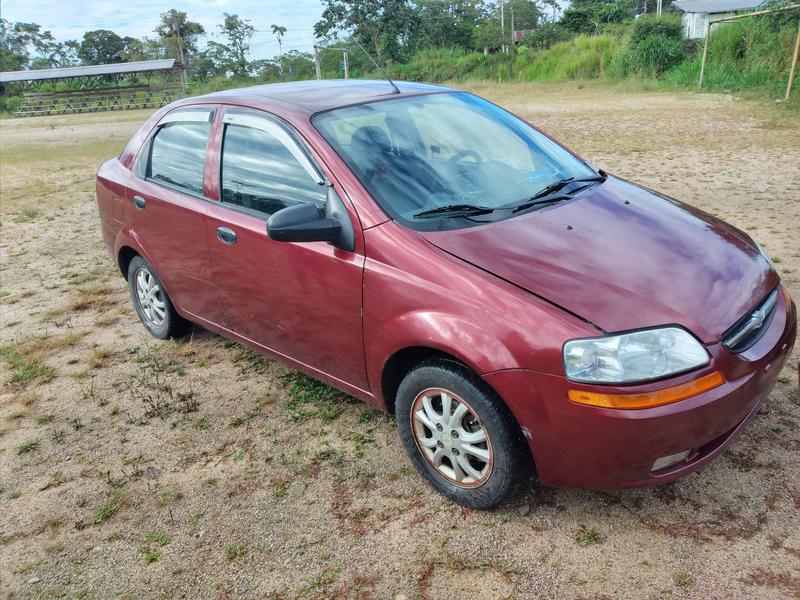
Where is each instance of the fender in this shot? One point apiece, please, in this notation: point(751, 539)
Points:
point(471, 344)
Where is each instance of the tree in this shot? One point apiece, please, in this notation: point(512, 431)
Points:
point(179, 36)
point(102, 46)
point(383, 25)
point(17, 40)
point(239, 33)
point(278, 32)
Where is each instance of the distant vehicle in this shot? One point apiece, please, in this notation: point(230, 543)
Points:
point(430, 253)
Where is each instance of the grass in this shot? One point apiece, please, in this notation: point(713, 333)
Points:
point(589, 537)
point(105, 512)
point(310, 398)
point(25, 370)
point(29, 446)
point(235, 551)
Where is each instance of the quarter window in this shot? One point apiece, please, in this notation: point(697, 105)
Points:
point(259, 172)
point(178, 154)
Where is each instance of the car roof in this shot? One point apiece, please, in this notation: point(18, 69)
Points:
point(318, 95)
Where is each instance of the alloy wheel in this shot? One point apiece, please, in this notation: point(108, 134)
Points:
point(151, 299)
point(452, 439)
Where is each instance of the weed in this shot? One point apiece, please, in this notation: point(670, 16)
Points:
point(28, 446)
point(327, 577)
point(201, 423)
point(26, 370)
point(149, 555)
point(14, 495)
point(683, 579)
point(234, 551)
point(44, 419)
point(312, 399)
point(589, 537)
point(105, 512)
point(27, 214)
point(159, 538)
point(794, 396)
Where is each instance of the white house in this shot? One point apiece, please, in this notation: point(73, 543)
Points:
point(696, 13)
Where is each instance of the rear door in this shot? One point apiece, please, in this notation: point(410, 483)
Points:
point(299, 300)
point(167, 209)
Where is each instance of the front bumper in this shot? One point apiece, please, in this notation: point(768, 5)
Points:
point(598, 448)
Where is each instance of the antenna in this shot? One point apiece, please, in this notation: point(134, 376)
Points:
point(377, 66)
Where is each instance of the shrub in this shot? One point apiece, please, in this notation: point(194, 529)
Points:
point(668, 26)
point(546, 36)
point(656, 45)
point(655, 54)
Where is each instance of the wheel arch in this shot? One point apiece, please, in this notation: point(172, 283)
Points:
point(124, 257)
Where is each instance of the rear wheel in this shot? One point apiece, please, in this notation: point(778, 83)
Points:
point(459, 435)
point(152, 303)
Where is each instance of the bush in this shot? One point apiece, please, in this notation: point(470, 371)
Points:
point(546, 36)
point(10, 104)
point(668, 26)
point(656, 45)
point(655, 55)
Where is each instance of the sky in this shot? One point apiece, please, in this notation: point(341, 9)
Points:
point(69, 19)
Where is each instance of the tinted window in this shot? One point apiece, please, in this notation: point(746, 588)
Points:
point(178, 154)
point(259, 173)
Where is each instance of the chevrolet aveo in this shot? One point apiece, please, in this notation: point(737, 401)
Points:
point(432, 254)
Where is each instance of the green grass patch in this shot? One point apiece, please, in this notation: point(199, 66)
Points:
point(310, 398)
point(25, 370)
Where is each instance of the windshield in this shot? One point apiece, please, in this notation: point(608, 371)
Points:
point(416, 155)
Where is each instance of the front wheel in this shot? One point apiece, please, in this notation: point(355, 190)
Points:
point(459, 435)
point(151, 302)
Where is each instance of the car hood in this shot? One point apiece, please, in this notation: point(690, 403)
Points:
point(623, 257)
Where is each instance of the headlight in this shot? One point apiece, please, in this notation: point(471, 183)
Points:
point(635, 356)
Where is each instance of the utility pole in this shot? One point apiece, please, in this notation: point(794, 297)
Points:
point(503, 25)
point(346, 58)
point(316, 62)
point(512, 25)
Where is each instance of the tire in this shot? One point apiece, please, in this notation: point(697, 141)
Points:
point(504, 459)
point(154, 307)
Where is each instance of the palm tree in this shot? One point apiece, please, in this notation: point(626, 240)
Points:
point(278, 32)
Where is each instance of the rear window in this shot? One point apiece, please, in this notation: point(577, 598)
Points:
point(178, 155)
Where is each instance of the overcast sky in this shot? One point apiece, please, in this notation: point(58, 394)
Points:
point(69, 19)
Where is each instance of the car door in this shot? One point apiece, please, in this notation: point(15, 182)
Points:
point(167, 209)
point(299, 300)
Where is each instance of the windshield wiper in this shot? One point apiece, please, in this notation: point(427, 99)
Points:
point(454, 210)
point(549, 194)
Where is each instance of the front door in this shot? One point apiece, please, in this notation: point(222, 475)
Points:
point(299, 300)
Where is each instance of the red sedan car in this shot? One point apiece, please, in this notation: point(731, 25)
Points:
point(432, 254)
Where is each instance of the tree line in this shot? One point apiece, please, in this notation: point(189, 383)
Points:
point(391, 30)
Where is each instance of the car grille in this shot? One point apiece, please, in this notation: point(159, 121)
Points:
point(749, 329)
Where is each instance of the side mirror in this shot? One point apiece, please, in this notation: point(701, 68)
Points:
point(307, 223)
point(302, 223)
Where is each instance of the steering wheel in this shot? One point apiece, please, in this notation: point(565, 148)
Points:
point(464, 154)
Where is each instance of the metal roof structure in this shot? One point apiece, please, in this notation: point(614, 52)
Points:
point(716, 6)
point(88, 71)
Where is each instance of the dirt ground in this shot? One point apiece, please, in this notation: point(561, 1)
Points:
point(136, 468)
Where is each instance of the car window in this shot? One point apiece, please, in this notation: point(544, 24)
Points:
point(418, 154)
point(178, 154)
point(260, 173)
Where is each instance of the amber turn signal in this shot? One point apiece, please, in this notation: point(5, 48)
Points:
point(649, 399)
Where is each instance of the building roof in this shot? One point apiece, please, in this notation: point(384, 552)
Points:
point(716, 6)
point(317, 95)
point(87, 71)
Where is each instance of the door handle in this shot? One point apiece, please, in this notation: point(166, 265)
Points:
point(226, 235)
point(139, 202)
